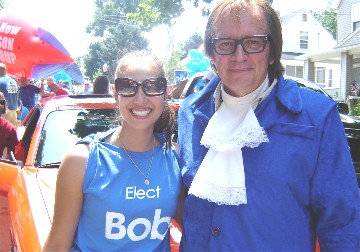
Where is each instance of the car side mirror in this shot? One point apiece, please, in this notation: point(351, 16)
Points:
point(343, 107)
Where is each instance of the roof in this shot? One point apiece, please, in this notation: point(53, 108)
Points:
point(351, 39)
point(288, 17)
point(335, 4)
point(290, 55)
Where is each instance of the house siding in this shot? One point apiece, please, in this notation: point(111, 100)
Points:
point(318, 37)
point(344, 24)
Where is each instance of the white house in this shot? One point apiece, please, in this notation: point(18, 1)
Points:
point(304, 34)
point(346, 51)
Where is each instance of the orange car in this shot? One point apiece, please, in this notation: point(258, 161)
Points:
point(27, 183)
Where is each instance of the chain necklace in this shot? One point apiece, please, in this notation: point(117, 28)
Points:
point(147, 181)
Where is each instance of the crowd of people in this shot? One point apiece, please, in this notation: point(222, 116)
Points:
point(18, 96)
point(260, 163)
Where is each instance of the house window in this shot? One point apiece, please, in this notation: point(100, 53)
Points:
point(304, 40)
point(355, 15)
point(290, 70)
point(330, 82)
point(304, 17)
point(299, 70)
point(320, 75)
point(356, 25)
point(294, 71)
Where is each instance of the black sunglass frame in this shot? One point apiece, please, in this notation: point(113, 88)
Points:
point(160, 79)
point(265, 38)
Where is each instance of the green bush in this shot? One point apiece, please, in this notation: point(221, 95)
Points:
point(355, 110)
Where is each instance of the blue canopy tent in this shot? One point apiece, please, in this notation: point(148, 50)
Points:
point(45, 70)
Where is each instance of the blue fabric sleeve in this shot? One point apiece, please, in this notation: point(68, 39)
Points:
point(335, 195)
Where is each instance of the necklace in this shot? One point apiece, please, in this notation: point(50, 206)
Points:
point(147, 181)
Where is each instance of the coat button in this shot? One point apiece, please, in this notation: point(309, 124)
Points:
point(215, 231)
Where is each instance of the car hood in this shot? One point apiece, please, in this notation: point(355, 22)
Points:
point(349, 119)
point(352, 128)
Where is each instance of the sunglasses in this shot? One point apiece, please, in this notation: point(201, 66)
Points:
point(2, 102)
point(128, 87)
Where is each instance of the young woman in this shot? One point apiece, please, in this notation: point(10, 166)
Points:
point(119, 190)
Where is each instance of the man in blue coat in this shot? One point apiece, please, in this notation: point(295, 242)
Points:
point(267, 165)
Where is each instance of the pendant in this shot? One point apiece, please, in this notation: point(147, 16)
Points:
point(147, 182)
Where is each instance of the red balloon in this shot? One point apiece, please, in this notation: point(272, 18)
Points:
point(23, 46)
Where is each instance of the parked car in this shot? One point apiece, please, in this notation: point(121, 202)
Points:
point(28, 181)
point(351, 123)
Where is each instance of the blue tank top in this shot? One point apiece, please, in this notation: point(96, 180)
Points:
point(120, 212)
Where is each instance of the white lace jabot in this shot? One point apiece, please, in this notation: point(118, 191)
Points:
point(220, 177)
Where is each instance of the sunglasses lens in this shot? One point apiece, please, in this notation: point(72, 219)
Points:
point(2, 102)
point(125, 87)
point(153, 87)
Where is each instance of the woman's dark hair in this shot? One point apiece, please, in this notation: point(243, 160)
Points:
point(166, 122)
point(101, 85)
point(272, 22)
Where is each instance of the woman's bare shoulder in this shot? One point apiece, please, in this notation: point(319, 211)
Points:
point(75, 160)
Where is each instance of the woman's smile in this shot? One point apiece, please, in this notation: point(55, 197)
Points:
point(140, 112)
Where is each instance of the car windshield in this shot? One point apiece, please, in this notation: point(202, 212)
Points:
point(64, 128)
point(313, 87)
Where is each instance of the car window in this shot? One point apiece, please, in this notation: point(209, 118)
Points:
point(63, 129)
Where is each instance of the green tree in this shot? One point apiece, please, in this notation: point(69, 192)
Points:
point(93, 61)
point(174, 62)
point(328, 19)
point(122, 39)
point(3, 4)
point(194, 42)
point(118, 25)
point(145, 14)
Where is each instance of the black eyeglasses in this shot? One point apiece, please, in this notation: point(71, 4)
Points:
point(251, 44)
point(152, 87)
point(2, 102)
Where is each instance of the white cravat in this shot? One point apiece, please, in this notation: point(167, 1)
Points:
point(221, 177)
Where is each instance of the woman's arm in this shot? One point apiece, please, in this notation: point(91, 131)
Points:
point(178, 213)
point(68, 200)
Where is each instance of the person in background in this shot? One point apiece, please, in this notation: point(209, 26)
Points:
point(86, 89)
point(55, 89)
point(267, 165)
point(68, 88)
point(125, 188)
point(354, 89)
point(28, 93)
point(60, 84)
point(101, 85)
point(8, 136)
point(10, 89)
